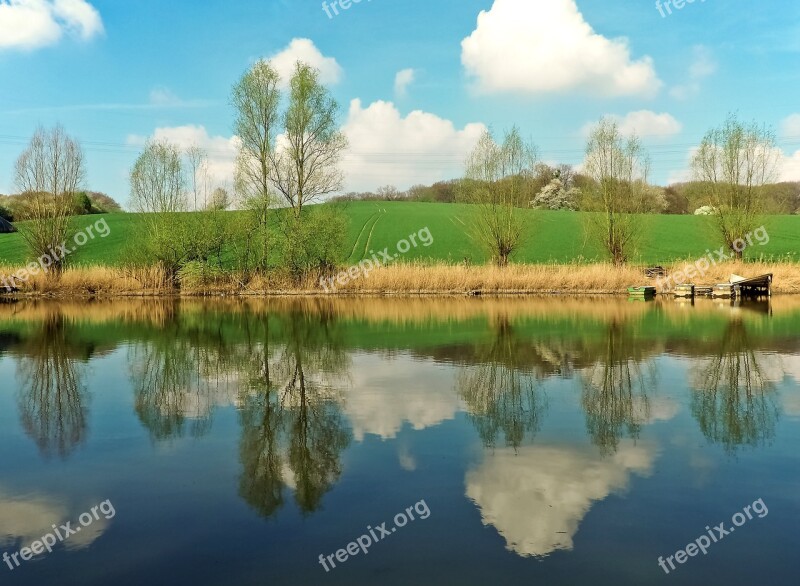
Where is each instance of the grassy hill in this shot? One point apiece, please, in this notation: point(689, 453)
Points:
point(554, 236)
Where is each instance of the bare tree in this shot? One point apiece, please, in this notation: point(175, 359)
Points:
point(157, 180)
point(734, 162)
point(305, 167)
point(220, 200)
point(389, 193)
point(158, 190)
point(49, 172)
point(619, 167)
point(498, 179)
point(256, 97)
point(199, 177)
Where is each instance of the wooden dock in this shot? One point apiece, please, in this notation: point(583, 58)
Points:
point(737, 287)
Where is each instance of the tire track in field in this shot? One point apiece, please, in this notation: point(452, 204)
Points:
point(358, 238)
point(464, 230)
point(369, 238)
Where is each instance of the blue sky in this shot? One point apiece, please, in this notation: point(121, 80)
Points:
point(115, 72)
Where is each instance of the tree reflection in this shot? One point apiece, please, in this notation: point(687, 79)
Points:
point(52, 398)
point(168, 387)
point(500, 392)
point(181, 374)
point(293, 431)
point(615, 396)
point(734, 402)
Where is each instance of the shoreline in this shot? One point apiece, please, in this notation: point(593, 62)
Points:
point(401, 280)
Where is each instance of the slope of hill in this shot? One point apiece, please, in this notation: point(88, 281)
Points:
point(553, 236)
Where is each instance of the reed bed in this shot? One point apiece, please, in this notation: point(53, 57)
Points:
point(398, 279)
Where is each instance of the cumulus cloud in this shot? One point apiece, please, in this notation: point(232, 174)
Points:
point(30, 24)
point(385, 395)
point(221, 150)
point(643, 123)
point(789, 166)
point(402, 80)
point(790, 126)
point(544, 46)
point(537, 496)
point(657, 409)
point(27, 518)
point(387, 148)
point(330, 73)
point(703, 66)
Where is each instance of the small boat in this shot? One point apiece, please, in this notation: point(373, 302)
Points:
point(645, 292)
point(685, 290)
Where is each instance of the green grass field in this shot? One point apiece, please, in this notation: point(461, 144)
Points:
point(553, 237)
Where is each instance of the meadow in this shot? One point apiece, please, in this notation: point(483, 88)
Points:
point(554, 237)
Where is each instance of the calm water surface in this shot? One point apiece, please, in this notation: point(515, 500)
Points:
point(549, 442)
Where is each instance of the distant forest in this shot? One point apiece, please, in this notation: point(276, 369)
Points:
point(678, 198)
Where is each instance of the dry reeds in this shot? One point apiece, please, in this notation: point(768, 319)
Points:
point(398, 279)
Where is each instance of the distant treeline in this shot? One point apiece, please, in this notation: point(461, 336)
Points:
point(17, 207)
point(677, 198)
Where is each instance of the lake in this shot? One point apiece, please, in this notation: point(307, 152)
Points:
point(389, 441)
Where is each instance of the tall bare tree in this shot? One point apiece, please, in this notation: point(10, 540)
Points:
point(499, 180)
point(734, 162)
point(49, 172)
point(256, 98)
point(199, 176)
point(158, 190)
point(305, 166)
point(619, 167)
point(158, 184)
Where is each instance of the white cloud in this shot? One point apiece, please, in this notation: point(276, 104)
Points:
point(30, 24)
point(789, 167)
point(657, 409)
point(402, 80)
point(387, 148)
point(24, 519)
point(643, 123)
point(330, 73)
point(542, 46)
point(221, 150)
point(79, 16)
point(703, 66)
point(385, 395)
point(537, 496)
point(790, 126)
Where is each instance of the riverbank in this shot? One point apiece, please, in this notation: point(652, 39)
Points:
point(398, 279)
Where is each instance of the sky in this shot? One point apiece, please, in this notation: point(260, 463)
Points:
point(417, 81)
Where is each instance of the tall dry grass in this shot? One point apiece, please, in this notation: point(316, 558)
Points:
point(400, 279)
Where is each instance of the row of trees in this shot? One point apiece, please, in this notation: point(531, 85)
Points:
point(286, 160)
point(18, 208)
point(733, 165)
point(290, 146)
